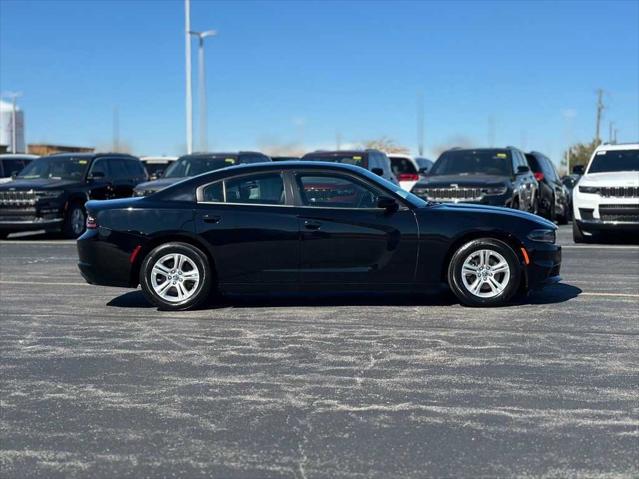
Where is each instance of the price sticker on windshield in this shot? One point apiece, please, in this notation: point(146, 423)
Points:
point(502, 155)
point(230, 161)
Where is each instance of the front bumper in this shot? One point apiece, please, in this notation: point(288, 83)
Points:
point(34, 224)
point(545, 265)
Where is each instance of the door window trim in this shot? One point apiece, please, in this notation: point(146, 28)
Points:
point(199, 191)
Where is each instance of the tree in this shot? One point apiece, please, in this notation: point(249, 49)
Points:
point(386, 145)
point(579, 153)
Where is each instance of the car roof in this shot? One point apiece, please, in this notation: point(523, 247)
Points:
point(91, 155)
point(339, 152)
point(618, 146)
point(215, 154)
point(24, 156)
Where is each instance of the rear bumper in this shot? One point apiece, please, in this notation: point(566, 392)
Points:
point(104, 258)
point(544, 267)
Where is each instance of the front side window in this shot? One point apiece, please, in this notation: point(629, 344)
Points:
point(263, 189)
point(614, 160)
point(328, 191)
point(118, 169)
point(101, 167)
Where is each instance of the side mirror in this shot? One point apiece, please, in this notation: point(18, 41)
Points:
point(378, 171)
point(387, 203)
point(96, 175)
point(578, 169)
point(424, 170)
point(14, 174)
point(521, 169)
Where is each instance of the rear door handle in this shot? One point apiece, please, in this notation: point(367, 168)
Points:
point(211, 218)
point(312, 225)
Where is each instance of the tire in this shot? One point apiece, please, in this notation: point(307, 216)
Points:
point(562, 219)
point(3, 235)
point(535, 206)
point(181, 279)
point(552, 214)
point(74, 221)
point(471, 253)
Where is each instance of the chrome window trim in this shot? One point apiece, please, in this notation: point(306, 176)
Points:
point(199, 191)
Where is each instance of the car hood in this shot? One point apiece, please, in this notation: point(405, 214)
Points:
point(461, 180)
point(475, 209)
point(617, 178)
point(37, 184)
point(157, 185)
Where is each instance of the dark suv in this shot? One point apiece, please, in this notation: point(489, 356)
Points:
point(553, 198)
point(490, 176)
point(50, 192)
point(196, 164)
point(373, 160)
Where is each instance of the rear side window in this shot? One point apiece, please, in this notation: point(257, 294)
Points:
point(402, 165)
point(250, 158)
point(534, 163)
point(11, 166)
point(265, 189)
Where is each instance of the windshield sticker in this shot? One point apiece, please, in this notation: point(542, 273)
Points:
point(230, 161)
point(82, 162)
point(602, 152)
point(502, 155)
point(357, 157)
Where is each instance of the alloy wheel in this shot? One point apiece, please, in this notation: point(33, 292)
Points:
point(485, 273)
point(175, 277)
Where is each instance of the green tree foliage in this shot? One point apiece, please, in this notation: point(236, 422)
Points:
point(579, 153)
point(386, 145)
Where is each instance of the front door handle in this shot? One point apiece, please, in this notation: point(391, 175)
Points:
point(212, 218)
point(312, 225)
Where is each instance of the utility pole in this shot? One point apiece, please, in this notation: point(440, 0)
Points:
point(202, 86)
point(338, 140)
point(600, 108)
point(491, 131)
point(610, 131)
point(420, 124)
point(189, 94)
point(116, 130)
point(14, 122)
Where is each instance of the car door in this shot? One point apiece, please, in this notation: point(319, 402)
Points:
point(347, 241)
point(123, 182)
point(100, 180)
point(253, 230)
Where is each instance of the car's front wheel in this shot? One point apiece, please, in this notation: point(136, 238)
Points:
point(176, 276)
point(484, 272)
point(74, 221)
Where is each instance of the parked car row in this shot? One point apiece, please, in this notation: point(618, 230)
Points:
point(49, 193)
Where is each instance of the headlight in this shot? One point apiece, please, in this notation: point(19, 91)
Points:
point(588, 189)
point(48, 194)
point(495, 190)
point(543, 236)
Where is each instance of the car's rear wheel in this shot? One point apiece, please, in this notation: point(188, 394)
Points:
point(74, 221)
point(176, 276)
point(484, 272)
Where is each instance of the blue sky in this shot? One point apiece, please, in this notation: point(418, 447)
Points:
point(287, 72)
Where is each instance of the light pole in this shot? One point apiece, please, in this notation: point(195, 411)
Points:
point(189, 95)
point(202, 84)
point(14, 109)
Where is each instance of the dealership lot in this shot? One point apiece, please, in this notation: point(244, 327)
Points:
point(97, 383)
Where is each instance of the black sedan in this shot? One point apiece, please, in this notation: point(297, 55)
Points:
point(310, 226)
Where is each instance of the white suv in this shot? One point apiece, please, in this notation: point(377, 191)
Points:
point(607, 195)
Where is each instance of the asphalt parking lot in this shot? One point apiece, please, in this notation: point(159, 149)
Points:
point(95, 383)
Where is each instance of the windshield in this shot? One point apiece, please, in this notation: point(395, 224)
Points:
point(357, 160)
point(473, 162)
point(424, 162)
point(56, 168)
point(192, 166)
point(615, 160)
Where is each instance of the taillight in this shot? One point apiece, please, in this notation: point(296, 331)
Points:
point(408, 177)
point(91, 223)
point(539, 176)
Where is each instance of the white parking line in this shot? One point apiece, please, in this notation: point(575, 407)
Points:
point(44, 242)
point(617, 295)
point(600, 247)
